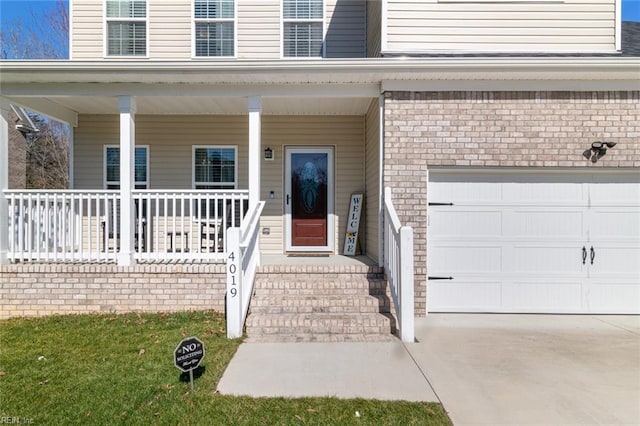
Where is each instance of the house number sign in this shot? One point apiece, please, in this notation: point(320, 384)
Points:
point(353, 223)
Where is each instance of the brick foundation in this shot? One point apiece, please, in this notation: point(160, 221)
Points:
point(40, 289)
point(497, 129)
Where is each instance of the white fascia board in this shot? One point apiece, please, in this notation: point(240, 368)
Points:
point(46, 107)
point(195, 90)
point(510, 85)
point(311, 71)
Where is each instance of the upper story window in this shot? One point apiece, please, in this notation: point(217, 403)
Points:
point(214, 28)
point(303, 28)
point(112, 167)
point(126, 27)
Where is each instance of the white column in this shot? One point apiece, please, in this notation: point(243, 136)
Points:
point(4, 182)
point(127, 108)
point(255, 148)
point(381, 190)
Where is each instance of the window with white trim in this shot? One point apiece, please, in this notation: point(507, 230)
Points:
point(126, 27)
point(302, 28)
point(112, 167)
point(214, 28)
point(214, 167)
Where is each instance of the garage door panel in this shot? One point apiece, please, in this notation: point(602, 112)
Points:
point(614, 260)
point(623, 193)
point(544, 192)
point(543, 296)
point(613, 297)
point(457, 258)
point(555, 224)
point(465, 223)
point(465, 192)
point(616, 224)
point(544, 260)
point(469, 296)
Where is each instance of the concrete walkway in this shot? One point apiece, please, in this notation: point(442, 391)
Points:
point(485, 369)
point(383, 371)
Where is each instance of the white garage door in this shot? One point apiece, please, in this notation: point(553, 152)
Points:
point(544, 243)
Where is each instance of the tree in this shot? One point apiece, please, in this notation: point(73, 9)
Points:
point(48, 155)
point(46, 37)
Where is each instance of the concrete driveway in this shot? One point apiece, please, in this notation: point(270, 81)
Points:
point(532, 369)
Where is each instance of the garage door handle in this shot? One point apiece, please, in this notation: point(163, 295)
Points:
point(584, 255)
point(439, 278)
point(593, 255)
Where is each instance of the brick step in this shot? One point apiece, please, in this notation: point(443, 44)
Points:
point(324, 284)
point(318, 324)
point(320, 338)
point(321, 269)
point(287, 303)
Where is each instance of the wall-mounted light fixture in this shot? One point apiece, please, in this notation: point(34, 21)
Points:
point(268, 154)
point(598, 150)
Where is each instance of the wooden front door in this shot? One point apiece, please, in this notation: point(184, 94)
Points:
point(309, 199)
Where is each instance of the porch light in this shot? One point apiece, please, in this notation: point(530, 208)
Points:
point(268, 154)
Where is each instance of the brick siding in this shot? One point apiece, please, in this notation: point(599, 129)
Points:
point(39, 289)
point(497, 129)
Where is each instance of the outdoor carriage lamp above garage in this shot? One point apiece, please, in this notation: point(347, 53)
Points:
point(598, 150)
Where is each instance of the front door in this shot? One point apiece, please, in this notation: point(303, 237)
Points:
point(309, 199)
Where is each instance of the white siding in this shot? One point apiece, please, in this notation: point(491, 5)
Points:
point(372, 178)
point(258, 29)
point(169, 146)
point(87, 26)
point(570, 26)
point(170, 25)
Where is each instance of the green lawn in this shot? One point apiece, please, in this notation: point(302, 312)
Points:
point(118, 369)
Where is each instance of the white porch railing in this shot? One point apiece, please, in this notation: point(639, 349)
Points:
point(84, 226)
point(242, 264)
point(398, 265)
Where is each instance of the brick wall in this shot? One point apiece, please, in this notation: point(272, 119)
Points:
point(497, 129)
point(41, 289)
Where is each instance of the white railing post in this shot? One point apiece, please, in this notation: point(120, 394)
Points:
point(398, 264)
point(4, 182)
point(406, 285)
point(234, 284)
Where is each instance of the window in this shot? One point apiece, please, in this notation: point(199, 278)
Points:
point(214, 167)
point(214, 28)
point(112, 167)
point(302, 31)
point(126, 27)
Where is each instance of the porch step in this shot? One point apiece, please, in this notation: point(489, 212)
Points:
point(320, 304)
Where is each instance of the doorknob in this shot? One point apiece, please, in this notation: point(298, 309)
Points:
point(584, 255)
point(593, 254)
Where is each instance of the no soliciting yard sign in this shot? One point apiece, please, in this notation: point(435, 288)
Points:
point(188, 354)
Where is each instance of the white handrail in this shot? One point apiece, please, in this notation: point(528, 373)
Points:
point(242, 263)
point(84, 225)
point(398, 264)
